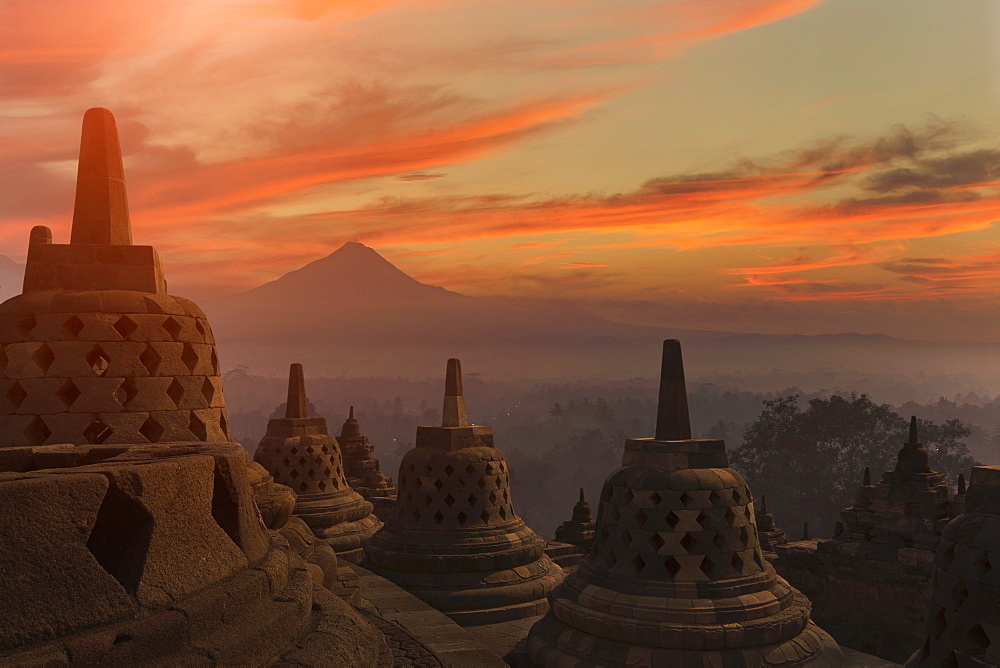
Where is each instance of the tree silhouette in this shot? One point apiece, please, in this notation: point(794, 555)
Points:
point(810, 462)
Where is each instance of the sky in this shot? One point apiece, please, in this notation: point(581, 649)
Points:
point(799, 166)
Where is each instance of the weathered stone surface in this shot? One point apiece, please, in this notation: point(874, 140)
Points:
point(454, 539)
point(52, 582)
point(676, 575)
point(299, 453)
point(963, 626)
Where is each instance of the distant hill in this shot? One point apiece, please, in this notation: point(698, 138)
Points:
point(353, 313)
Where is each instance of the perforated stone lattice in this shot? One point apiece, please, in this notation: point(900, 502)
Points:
point(475, 494)
point(102, 377)
point(308, 468)
point(698, 535)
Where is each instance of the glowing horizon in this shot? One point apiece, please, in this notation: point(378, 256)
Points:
point(758, 165)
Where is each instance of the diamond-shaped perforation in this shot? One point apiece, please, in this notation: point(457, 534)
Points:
point(493, 497)
point(945, 557)
point(198, 427)
point(978, 639)
point(485, 517)
point(686, 499)
point(939, 624)
point(189, 357)
point(640, 518)
point(462, 518)
point(151, 430)
point(757, 559)
point(672, 566)
point(470, 469)
point(628, 495)
point(473, 499)
point(737, 496)
point(173, 328)
point(656, 541)
point(503, 512)
point(415, 515)
point(604, 534)
point(427, 499)
point(438, 484)
point(73, 325)
point(98, 361)
point(482, 483)
point(200, 327)
point(16, 395)
point(714, 498)
point(43, 358)
point(611, 559)
point(959, 594)
point(688, 542)
point(449, 500)
point(294, 474)
point(215, 362)
point(745, 535)
point(719, 541)
point(672, 520)
point(638, 563)
point(150, 359)
point(703, 520)
point(68, 393)
point(97, 432)
point(626, 538)
point(608, 493)
point(438, 517)
point(615, 513)
point(706, 566)
point(26, 324)
point(125, 326)
point(37, 432)
point(737, 563)
point(448, 470)
point(175, 391)
point(655, 499)
point(730, 515)
point(983, 565)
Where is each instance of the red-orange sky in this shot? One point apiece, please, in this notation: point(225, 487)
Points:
point(762, 165)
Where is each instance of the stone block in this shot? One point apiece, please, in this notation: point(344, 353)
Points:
point(53, 585)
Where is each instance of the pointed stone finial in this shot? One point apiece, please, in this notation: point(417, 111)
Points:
point(100, 214)
point(912, 456)
point(40, 235)
point(805, 531)
point(672, 421)
point(913, 431)
point(582, 500)
point(454, 401)
point(297, 406)
point(763, 503)
point(350, 416)
point(961, 483)
point(868, 477)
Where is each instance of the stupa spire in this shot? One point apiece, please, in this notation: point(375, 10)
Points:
point(297, 406)
point(454, 401)
point(100, 213)
point(912, 456)
point(913, 439)
point(672, 420)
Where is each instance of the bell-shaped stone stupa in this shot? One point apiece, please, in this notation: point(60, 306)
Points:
point(453, 539)
point(963, 628)
point(299, 453)
point(676, 577)
point(94, 351)
point(362, 469)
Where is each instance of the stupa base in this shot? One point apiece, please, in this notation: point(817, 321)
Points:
point(552, 643)
point(491, 597)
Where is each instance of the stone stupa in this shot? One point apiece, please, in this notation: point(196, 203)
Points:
point(454, 539)
point(676, 577)
point(94, 350)
point(299, 453)
point(871, 583)
point(129, 534)
point(362, 468)
point(963, 627)
point(768, 533)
